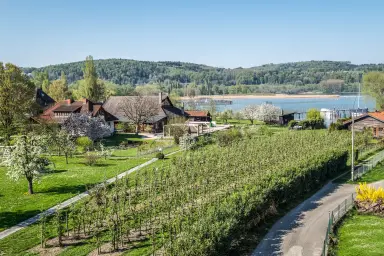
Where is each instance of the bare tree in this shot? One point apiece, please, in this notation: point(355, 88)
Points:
point(139, 109)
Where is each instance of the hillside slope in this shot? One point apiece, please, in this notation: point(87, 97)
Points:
point(124, 71)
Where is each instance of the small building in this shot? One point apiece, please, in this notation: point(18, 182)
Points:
point(60, 111)
point(198, 115)
point(373, 121)
point(285, 117)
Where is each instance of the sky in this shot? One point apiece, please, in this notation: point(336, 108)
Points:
point(222, 33)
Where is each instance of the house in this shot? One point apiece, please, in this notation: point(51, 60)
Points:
point(60, 111)
point(198, 115)
point(373, 121)
point(166, 111)
point(285, 117)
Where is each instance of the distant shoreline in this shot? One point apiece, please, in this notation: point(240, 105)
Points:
point(270, 96)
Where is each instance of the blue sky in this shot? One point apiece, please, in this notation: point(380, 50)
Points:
point(219, 33)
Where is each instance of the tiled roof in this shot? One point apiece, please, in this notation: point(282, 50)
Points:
point(67, 108)
point(200, 113)
point(377, 115)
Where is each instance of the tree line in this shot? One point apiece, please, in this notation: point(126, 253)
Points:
point(176, 76)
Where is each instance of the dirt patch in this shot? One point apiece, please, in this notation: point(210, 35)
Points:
point(107, 249)
point(53, 248)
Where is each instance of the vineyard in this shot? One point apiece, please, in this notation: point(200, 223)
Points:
point(201, 202)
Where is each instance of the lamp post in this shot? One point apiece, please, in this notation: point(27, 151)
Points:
point(353, 153)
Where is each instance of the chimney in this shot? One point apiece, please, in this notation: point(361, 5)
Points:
point(160, 98)
point(68, 101)
point(84, 100)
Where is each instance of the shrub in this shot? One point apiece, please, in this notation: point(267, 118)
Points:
point(91, 158)
point(292, 124)
point(312, 124)
point(225, 138)
point(160, 155)
point(177, 131)
point(370, 199)
point(264, 130)
point(84, 143)
point(336, 126)
point(126, 127)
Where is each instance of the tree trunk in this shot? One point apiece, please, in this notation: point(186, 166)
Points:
point(30, 186)
point(66, 158)
point(137, 129)
point(251, 121)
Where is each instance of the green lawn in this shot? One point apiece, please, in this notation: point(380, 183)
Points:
point(20, 242)
point(361, 235)
point(64, 182)
point(117, 138)
point(376, 174)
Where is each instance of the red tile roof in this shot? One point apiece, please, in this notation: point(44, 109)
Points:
point(377, 115)
point(197, 113)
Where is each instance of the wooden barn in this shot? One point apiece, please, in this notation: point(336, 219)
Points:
point(373, 121)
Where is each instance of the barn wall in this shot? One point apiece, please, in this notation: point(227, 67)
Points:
point(368, 122)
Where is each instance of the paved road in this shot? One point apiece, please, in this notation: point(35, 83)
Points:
point(302, 231)
point(70, 201)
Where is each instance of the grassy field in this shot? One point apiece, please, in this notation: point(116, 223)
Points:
point(20, 242)
point(361, 235)
point(64, 182)
point(117, 138)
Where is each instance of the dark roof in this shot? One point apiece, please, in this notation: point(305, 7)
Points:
point(43, 99)
point(172, 111)
point(287, 113)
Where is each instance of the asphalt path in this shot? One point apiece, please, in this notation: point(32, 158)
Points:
point(302, 231)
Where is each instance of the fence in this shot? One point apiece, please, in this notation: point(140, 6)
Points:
point(368, 165)
point(343, 208)
point(154, 150)
point(334, 217)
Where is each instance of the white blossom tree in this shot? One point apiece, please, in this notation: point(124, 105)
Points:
point(25, 159)
point(65, 143)
point(250, 113)
point(264, 112)
point(268, 113)
point(78, 125)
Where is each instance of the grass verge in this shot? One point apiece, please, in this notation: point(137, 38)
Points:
point(360, 235)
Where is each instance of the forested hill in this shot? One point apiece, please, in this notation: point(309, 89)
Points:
point(123, 71)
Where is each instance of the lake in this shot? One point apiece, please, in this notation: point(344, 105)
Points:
point(303, 104)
